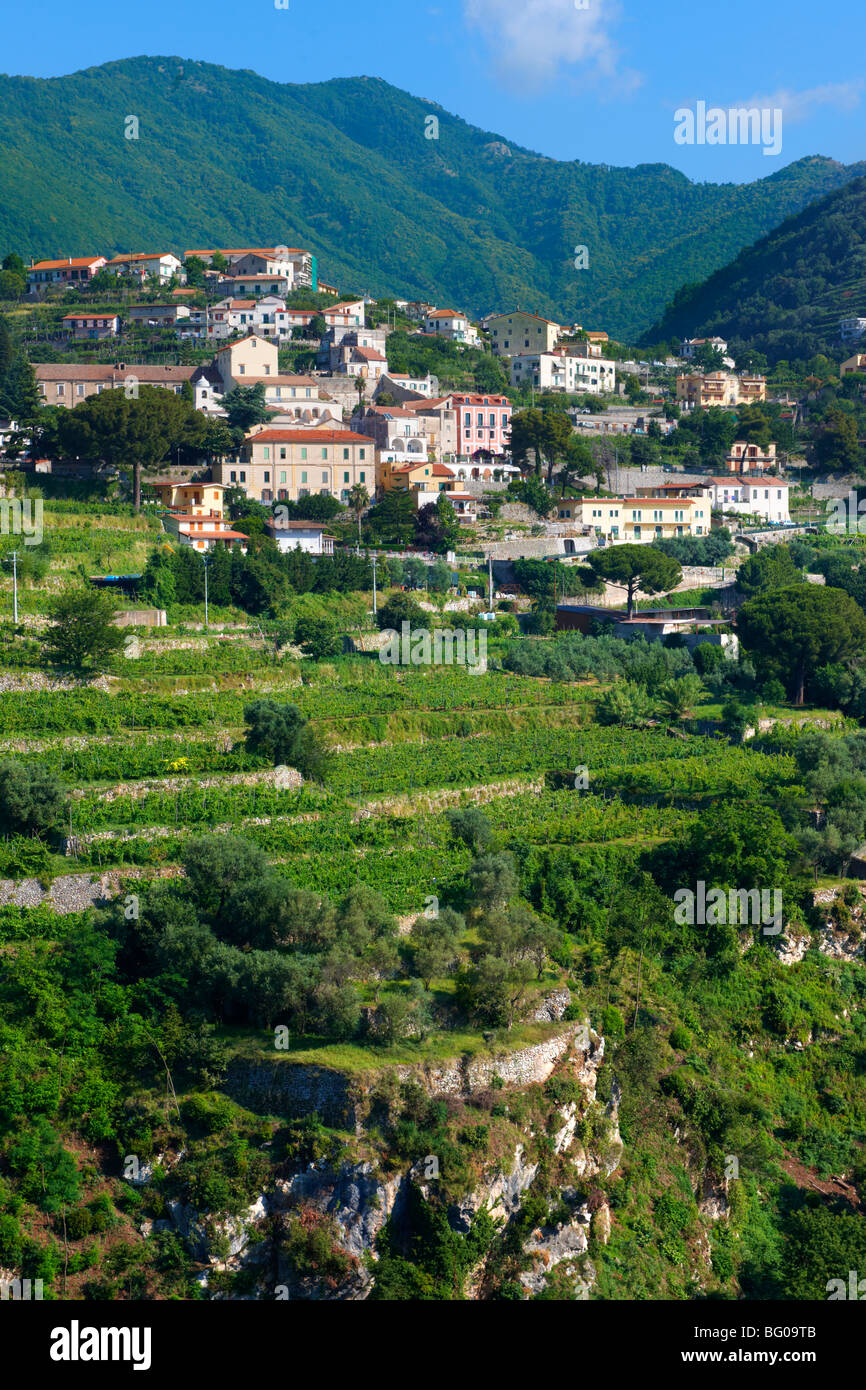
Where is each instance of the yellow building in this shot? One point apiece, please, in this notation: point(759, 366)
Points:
point(423, 476)
point(700, 390)
point(857, 363)
point(195, 499)
point(640, 520)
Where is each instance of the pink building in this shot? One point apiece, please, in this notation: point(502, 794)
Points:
point(71, 270)
point(484, 423)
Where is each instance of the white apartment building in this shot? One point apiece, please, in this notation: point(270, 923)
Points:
point(561, 371)
point(448, 323)
point(758, 497)
point(159, 266)
point(849, 329)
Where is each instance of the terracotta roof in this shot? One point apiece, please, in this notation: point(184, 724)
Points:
point(250, 338)
point(275, 275)
point(643, 501)
point(139, 256)
point(185, 482)
point(66, 261)
point(91, 315)
point(447, 314)
point(308, 437)
point(194, 516)
point(238, 251)
point(732, 480)
point(369, 354)
point(72, 371)
point(213, 535)
point(479, 399)
point(288, 379)
point(525, 313)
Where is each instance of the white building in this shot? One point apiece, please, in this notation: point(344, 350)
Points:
point(690, 346)
point(399, 382)
point(759, 497)
point(142, 266)
point(850, 329)
point(300, 535)
point(449, 323)
point(561, 371)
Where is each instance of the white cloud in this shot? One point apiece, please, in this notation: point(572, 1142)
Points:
point(537, 39)
point(799, 106)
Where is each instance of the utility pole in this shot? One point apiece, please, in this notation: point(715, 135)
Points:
point(14, 558)
point(374, 586)
point(490, 583)
point(205, 558)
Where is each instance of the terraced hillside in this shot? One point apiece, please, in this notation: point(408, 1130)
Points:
point(229, 1024)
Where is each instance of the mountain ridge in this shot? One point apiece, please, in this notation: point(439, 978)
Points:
point(226, 156)
point(785, 295)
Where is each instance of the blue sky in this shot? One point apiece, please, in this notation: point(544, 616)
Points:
point(595, 80)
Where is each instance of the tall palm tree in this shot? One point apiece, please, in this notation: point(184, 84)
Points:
point(359, 498)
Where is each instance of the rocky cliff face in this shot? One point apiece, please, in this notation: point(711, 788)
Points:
point(283, 1087)
point(357, 1198)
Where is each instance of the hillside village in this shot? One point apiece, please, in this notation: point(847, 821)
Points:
point(360, 424)
point(432, 797)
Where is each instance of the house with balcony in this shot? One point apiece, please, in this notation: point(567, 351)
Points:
point(251, 286)
point(399, 434)
point(641, 520)
point(69, 270)
point(193, 499)
point(564, 371)
point(766, 498)
point(202, 532)
point(292, 263)
point(142, 266)
point(484, 424)
point(750, 458)
point(700, 390)
point(851, 329)
point(451, 324)
point(440, 423)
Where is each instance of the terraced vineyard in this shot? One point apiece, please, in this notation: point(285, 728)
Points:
point(149, 770)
